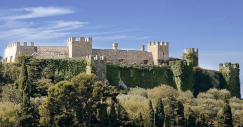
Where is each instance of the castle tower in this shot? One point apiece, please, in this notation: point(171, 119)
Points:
point(13, 50)
point(191, 55)
point(231, 74)
point(160, 52)
point(79, 48)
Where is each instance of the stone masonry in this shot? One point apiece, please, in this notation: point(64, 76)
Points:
point(157, 53)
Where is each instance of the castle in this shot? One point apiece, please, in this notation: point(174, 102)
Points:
point(157, 52)
point(114, 65)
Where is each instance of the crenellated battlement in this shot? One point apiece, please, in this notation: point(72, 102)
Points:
point(17, 44)
point(80, 39)
point(179, 62)
point(160, 52)
point(191, 55)
point(96, 57)
point(79, 48)
point(13, 45)
point(158, 43)
point(193, 50)
point(228, 65)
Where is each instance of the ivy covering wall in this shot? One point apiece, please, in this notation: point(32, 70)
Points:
point(141, 76)
point(183, 74)
point(54, 69)
point(206, 79)
point(180, 75)
point(231, 73)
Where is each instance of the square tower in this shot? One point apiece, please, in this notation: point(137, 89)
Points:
point(79, 48)
point(160, 52)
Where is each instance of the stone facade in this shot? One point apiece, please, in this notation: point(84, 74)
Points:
point(160, 52)
point(51, 52)
point(157, 53)
point(79, 48)
point(125, 56)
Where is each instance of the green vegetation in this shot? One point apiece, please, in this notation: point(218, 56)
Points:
point(191, 57)
point(56, 92)
point(231, 76)
point(182, 74)
point(182, 108)
point(141, 76)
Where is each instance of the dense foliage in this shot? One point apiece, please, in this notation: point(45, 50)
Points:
point(31, 97)
point(182, 108)
point(142, 76)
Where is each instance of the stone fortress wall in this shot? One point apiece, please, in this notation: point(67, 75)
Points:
point(12, 51)
point(51, 52)
point(185, 75)
point(157, 53)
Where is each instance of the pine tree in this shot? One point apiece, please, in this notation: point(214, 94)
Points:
point(159, 114)
point(151, 114)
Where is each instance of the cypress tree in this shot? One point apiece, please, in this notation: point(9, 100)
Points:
point(112, 116)
point(25, 118)
point(159, 114)
point(191, 120)
point(122, 117)
point(225, 120)
point(180, 114)
point(103, 116)
point(172, 112)
point(151, 114)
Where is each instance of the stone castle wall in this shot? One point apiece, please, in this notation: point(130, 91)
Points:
point(12, 51)
point(157, 52)
point(51, 52)
point(124, 56)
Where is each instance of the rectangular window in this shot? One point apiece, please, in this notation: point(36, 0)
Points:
point(145, 61)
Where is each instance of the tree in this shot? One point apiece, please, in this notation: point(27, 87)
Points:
point(159, 114)
point(191, 120)
point(112, 116)
point(151, 114)
point(171, 112)
point(225, 119)
point(26, 114)
point(103, 116)
point(122, 117)
point(75, 103)
point(180, 114)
